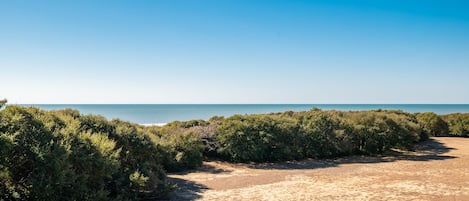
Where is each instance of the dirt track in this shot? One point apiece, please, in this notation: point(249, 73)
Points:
point(437, 170)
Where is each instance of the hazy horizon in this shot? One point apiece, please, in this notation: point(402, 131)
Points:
point(234, 52)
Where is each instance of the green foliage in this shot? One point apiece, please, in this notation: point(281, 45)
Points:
point(375, 132)
point(319, 134)
point(314, 134)
point(138, 180)
point(256, 138)
point(29, 147)
point(458, 124)
point(62, 155)
point(187, 124)
point(182, 145)
point(432, 124)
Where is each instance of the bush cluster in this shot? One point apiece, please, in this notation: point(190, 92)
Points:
point(432, 124)
point(458, 124)
point(182, 146)
point(62, 155)
point(314, 134)
point(288, 135)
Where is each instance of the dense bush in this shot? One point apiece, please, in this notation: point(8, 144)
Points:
point(432, 124)
point(375, 132)
point(458, 124)
point(63, 155)
point(314, 134)
point(318, 135)
point(182, 145)
point(256, 138)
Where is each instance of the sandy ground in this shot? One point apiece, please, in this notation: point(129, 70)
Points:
point(437, 170)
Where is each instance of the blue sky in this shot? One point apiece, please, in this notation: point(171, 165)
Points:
point(234, 51)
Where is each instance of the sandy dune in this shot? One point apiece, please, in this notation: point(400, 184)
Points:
point(437, 170)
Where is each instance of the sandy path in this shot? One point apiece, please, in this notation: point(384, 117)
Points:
point(438, 170)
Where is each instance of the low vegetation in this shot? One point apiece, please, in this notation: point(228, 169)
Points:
point(64, 155)
point(458, 124)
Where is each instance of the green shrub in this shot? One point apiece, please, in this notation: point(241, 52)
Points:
point(62, 155)
point(432, 124)
point(256, 138)
point(314, 134)
point(375, 132)
point(319, 134)
point(183, 146)
point(458, 124)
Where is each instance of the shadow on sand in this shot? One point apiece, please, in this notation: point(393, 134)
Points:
point(189, 190)
point(425, 151)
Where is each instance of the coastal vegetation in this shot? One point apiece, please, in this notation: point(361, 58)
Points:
point(64, 155)
point(458, 124)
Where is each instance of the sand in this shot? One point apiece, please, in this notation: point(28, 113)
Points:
point(437, 170)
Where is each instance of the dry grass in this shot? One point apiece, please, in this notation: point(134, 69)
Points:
point(437, 170)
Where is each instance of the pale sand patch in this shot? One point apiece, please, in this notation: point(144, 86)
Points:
point(438, 170)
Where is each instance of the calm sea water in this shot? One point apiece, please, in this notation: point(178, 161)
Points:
point(161, 113)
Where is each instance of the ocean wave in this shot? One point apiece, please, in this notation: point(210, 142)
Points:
point(154, 124)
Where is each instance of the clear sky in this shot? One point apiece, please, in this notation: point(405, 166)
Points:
point(234, 51)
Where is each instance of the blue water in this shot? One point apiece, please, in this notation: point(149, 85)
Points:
point(161, 113)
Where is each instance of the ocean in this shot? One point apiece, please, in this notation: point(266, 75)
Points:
point(164, 113)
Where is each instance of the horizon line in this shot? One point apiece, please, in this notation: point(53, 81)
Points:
point(237, 104)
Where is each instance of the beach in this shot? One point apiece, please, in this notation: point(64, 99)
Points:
point(437, 170)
